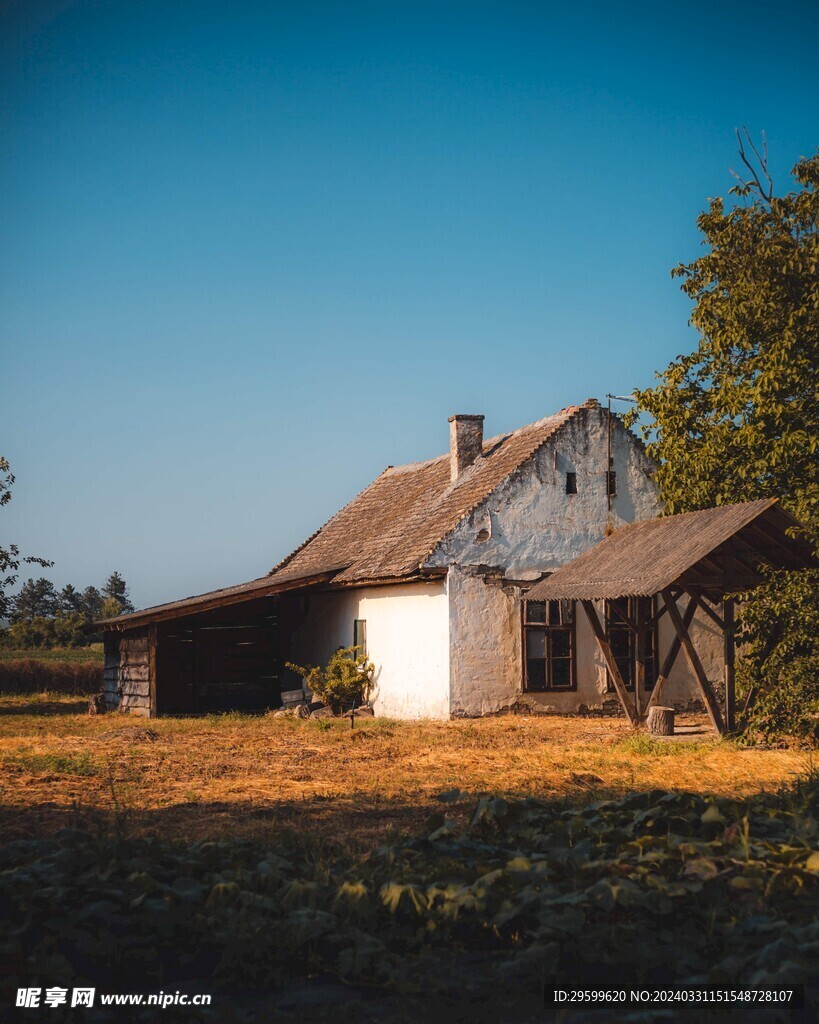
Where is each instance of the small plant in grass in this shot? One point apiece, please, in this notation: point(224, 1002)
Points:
point(58, 764)
point(346, 679)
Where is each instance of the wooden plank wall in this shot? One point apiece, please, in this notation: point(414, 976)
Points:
point(126, 674)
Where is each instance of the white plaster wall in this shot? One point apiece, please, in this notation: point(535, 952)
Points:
point(407, 641)
point(533, 525)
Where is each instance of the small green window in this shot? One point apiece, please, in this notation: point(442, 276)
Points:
point(360, 636)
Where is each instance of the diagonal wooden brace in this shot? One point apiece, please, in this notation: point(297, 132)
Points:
point(670, 659)
point(693, 658)
point(611, 664)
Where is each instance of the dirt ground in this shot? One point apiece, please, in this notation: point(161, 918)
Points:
point(229, 775)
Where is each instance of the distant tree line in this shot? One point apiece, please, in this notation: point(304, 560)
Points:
point(42, 616)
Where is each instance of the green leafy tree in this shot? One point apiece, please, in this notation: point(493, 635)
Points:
point(10, 557)
point(68, 629)
point(738, 418)
point(116, 589)
point(346, 679)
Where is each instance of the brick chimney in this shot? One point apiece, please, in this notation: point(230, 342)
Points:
point(465, 442)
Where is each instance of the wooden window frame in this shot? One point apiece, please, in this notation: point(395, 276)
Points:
point(633, 611)
point(363, 652)
point(527, 625)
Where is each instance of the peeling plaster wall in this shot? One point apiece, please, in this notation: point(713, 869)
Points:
point(531, 525)
point(486, 659)
point(484, 641)
point(591, 669)
point(407, 641)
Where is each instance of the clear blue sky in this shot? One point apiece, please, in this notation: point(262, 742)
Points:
point(253, 252)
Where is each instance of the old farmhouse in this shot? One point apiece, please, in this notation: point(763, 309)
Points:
point(430, 569)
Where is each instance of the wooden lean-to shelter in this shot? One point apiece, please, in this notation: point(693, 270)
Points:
point(703, 558)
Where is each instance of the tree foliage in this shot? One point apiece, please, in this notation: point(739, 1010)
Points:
point(42, 618)
point(738, 418)
point(116, 590)
point(10, 557)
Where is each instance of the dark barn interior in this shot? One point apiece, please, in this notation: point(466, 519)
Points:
point(222, 660)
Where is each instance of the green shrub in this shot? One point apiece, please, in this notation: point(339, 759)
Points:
point(346, 679)
point(787, 703)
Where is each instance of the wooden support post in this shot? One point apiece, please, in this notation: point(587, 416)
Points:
point(693, 658)
point(611, 664)
point(670, 658)
point(640, 649)
point(728, 658)
point(152, 669)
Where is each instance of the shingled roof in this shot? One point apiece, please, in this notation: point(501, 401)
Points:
point(389, 530)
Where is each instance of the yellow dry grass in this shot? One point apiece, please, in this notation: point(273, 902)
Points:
point(227, 775)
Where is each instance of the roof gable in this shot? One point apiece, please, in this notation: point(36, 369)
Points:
point(392, 527)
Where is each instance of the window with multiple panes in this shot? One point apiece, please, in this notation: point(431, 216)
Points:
point(360, 637)
point(549, 645)
point(623, 640)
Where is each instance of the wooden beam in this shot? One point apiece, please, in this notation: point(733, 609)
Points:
point(624, 617)
point(693, 659)
point(728, 660)
point(670, 658)
point(697, 594)
point(611, 664)
point(640, 649)
point(197, 606)
point(152, 669)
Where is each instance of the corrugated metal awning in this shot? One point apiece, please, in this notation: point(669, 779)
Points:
point(718, 550)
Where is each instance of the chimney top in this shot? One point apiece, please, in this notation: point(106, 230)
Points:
point(465, 442)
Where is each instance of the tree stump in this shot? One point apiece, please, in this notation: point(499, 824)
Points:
point(661, 721)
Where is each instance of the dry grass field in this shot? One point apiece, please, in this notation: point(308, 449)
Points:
point(240, 775)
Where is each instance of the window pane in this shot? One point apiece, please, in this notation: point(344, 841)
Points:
point(618, 604)
point(561, 672)
point(620, 643)
point(535, 611)
point(536, 674)
point(561, 643)
point(535, 643)
point(560, 613)
point(360, 637)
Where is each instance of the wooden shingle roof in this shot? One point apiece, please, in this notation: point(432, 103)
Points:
point(390, 529)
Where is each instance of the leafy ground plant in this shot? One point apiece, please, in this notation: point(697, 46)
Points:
point(654, 889)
